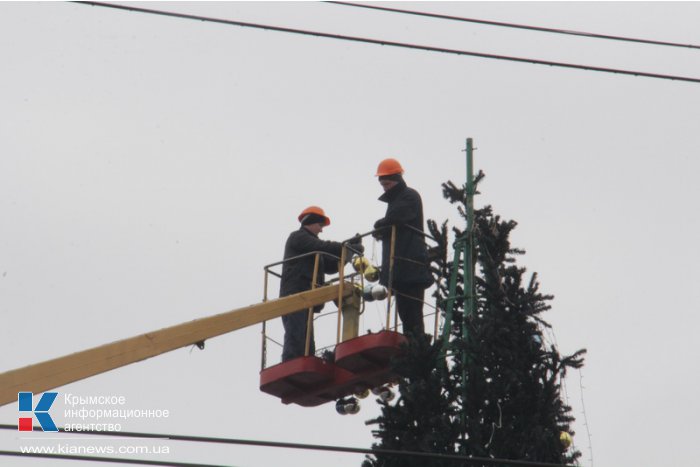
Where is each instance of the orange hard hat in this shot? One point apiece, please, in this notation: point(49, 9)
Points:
point(389, 167)
point(315, 210)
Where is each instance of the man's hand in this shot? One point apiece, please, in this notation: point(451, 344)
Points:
point(357, 247)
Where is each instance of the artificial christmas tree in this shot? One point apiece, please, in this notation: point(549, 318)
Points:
point(490, 387)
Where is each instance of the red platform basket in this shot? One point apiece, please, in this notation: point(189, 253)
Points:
point(361, 363)
point(369, 352)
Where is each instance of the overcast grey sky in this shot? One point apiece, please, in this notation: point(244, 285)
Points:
point(150, 167)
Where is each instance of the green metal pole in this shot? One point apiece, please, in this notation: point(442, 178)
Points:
point(463, 246)
point(468, 274)
point(469, 286)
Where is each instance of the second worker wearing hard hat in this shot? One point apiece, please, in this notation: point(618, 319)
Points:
point(297, 274)
point(410, 275)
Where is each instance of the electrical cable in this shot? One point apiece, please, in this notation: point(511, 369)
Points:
point(313, 447)
point(392, 43)
point(553, 338)
point(585, 417)
point(550, 339)
point(518, 26)
point(274, 341)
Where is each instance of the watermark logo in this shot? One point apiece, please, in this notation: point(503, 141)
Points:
point(41, 411)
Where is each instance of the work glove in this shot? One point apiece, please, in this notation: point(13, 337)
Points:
point(356, 244)
point(379, 234)
point(357, 248)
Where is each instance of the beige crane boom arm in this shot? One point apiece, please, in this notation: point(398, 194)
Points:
point(59, 371)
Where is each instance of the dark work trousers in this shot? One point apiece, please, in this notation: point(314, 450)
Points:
point(295, 335)
point(409, 304)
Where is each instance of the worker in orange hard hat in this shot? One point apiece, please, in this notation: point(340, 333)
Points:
point(297, 274)
point(410, 275)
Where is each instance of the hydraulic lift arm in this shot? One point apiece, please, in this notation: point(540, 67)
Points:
point(57, 372)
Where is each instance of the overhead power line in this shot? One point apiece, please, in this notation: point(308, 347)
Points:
point(517, 26)
point(392, 43)
point(313, 447)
